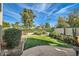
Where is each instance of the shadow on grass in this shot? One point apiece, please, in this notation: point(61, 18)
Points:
point(32, 42)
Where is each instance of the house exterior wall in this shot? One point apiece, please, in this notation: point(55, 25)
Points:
point(0, 30)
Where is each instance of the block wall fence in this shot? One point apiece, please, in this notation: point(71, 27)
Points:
point(68, 31)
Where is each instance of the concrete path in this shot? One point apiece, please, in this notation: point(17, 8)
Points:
point(49, 51)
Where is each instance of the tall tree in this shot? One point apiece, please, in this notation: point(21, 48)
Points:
point(47, 25)
point(73, 18)
point(62, 23)
point(27, 17)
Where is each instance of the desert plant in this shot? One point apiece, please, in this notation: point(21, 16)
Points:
point(12, 37)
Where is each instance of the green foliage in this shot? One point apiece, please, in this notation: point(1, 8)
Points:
point(42, 40)
point(15, 25)
point(66, 38)
point(27, 17)
point(24, 31)
point(73, 18)
point(54, 34)
point(50, 29)
point(69, 39)
point(62, 23)
point(47, 25)
point(67, 22)
point(39, 32)
point(6, 24)
point(12, 37)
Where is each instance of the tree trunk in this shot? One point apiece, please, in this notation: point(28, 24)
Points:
point(64, 31)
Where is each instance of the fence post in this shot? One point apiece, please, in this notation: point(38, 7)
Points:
point(64, 31)
point(74, 32)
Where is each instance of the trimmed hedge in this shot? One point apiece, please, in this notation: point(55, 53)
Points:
point(39, 32)
point(12, 37)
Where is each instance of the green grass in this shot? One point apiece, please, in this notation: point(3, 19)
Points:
point(33, 41)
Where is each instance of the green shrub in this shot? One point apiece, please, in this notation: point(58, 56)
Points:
point(61, 37)
point(39, 32)
point(54, 34)
point(12, 37)
point(44, 32)
point(68, 39)
point(50, 29)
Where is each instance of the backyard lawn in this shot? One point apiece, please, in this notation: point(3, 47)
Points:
point(33, 41)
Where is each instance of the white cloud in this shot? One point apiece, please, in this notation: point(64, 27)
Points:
point(36, 7)
point(65, 9)
point(12, 14)
point(50, 13)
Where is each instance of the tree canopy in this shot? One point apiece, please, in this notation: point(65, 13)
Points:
point(71, 21)
point(27, 17)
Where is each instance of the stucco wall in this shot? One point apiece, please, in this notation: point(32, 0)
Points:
point(0, 18)
point(0, 41)
point(60, 30)
point(68, 31)
point(0, 30)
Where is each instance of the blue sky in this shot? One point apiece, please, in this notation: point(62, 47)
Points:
point(11, 11)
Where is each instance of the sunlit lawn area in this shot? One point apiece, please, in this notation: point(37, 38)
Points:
point(33, 41)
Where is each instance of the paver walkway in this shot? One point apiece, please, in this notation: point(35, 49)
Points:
point(49, 51)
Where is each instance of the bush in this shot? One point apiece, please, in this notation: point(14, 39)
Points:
point(12, 37)
point(61, 37)
point(65, 38)
point(69, 39)
point(50, 29)
point(39, 32)
point(54, 34)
